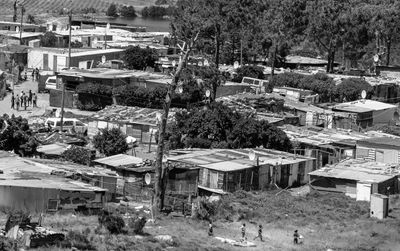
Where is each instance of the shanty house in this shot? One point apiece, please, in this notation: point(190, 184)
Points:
point(225, 170)
point(382, 149)
point(357, 178)
point(370, 112)
point(29, 186)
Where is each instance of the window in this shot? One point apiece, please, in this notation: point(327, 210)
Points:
point(78, 123)
point(58, 123)
point(69, 123)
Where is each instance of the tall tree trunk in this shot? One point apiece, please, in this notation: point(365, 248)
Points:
point(160, 182)
point(217, 52)
point(388, 47)
point(273, 57)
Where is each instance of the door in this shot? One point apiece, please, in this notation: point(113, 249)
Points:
point(46, 62)
point(363, 191)
point(379, 156)
point(284, 181)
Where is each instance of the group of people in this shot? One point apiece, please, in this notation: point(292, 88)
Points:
point(296, 236)
point(35, 74)
point(24, 100)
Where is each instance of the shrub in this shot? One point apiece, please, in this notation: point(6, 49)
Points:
point(77, 155)
point(137, 224)
point(206, 209)
point(77, 240)
point(114, 224)
point(249, 71)
point(110, 142)
point(6, 244)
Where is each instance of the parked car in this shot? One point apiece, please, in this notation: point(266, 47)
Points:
point(51, 83)
point(68, 124)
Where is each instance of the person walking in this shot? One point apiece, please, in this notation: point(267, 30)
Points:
point(210, 229)
point(22, 98)
point(260, 228)
point(12, 101)
point(33, 74)
point(25, 101)
point(296, 237)
point(37, 74)
point(17, 102)
point(243, 231)
point(34, 100)
point(30, 98)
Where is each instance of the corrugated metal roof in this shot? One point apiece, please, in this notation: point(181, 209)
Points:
point(119, 160)
point(226, 160)
point(52, 149)
point(366, 105)
point(359, 170)
point(386, 142)
point(51, 183)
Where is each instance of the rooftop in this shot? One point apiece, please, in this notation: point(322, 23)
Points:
point(292, 59)
point(107, 73)
point(16, 34)
point(361, 106)
point(131, 114)
point(120, 160)
point(323, 136)
point(359, 170)
point(52, 149)
point(229, 160)
point(385, 142)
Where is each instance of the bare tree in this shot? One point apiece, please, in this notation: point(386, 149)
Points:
point(160, 183)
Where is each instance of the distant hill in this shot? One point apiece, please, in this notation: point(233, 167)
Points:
point(36, 7)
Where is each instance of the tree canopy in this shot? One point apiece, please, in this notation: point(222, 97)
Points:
point(15, 135)
point(221, 127)
point(112, 10)
point(49, 39)
point(127, 11)
point(138, 58)
point(110, 142)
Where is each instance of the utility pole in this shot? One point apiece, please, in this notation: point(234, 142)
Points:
point(69, 67)
point(21, 28)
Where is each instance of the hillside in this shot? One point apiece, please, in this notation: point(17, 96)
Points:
point(48, 6)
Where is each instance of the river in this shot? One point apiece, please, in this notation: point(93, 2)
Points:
point(161, 25)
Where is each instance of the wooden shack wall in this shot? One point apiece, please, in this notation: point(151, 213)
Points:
point(183, 181)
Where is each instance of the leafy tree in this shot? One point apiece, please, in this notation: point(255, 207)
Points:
point(350, 89)
point(112, 10)
point(127, 11)
point(138, 58)
point(326, 21)
point(154, 12)
point(77, 155)
point(15, 135)
point(76, 44)
point(248, 71)
point(49, 39)
point(30, 19)
point(219, 126)
point(110, 142)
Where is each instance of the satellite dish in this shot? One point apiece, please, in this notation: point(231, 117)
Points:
point(180, 89)
point(164, 159)
point(363, 94)
point(147, 179)
point(235, 65)
point(208, 93)
point(206, 63)
point(103, 59)
point(200, 63)
point(173, 63)
point(252, 155)
point(376, 58)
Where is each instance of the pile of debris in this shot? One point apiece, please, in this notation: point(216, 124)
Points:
point(29, 234)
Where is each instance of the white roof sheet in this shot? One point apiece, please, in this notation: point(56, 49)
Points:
point(364, 106)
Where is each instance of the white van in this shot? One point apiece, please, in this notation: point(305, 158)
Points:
point(51, 83)
point(68, 124)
